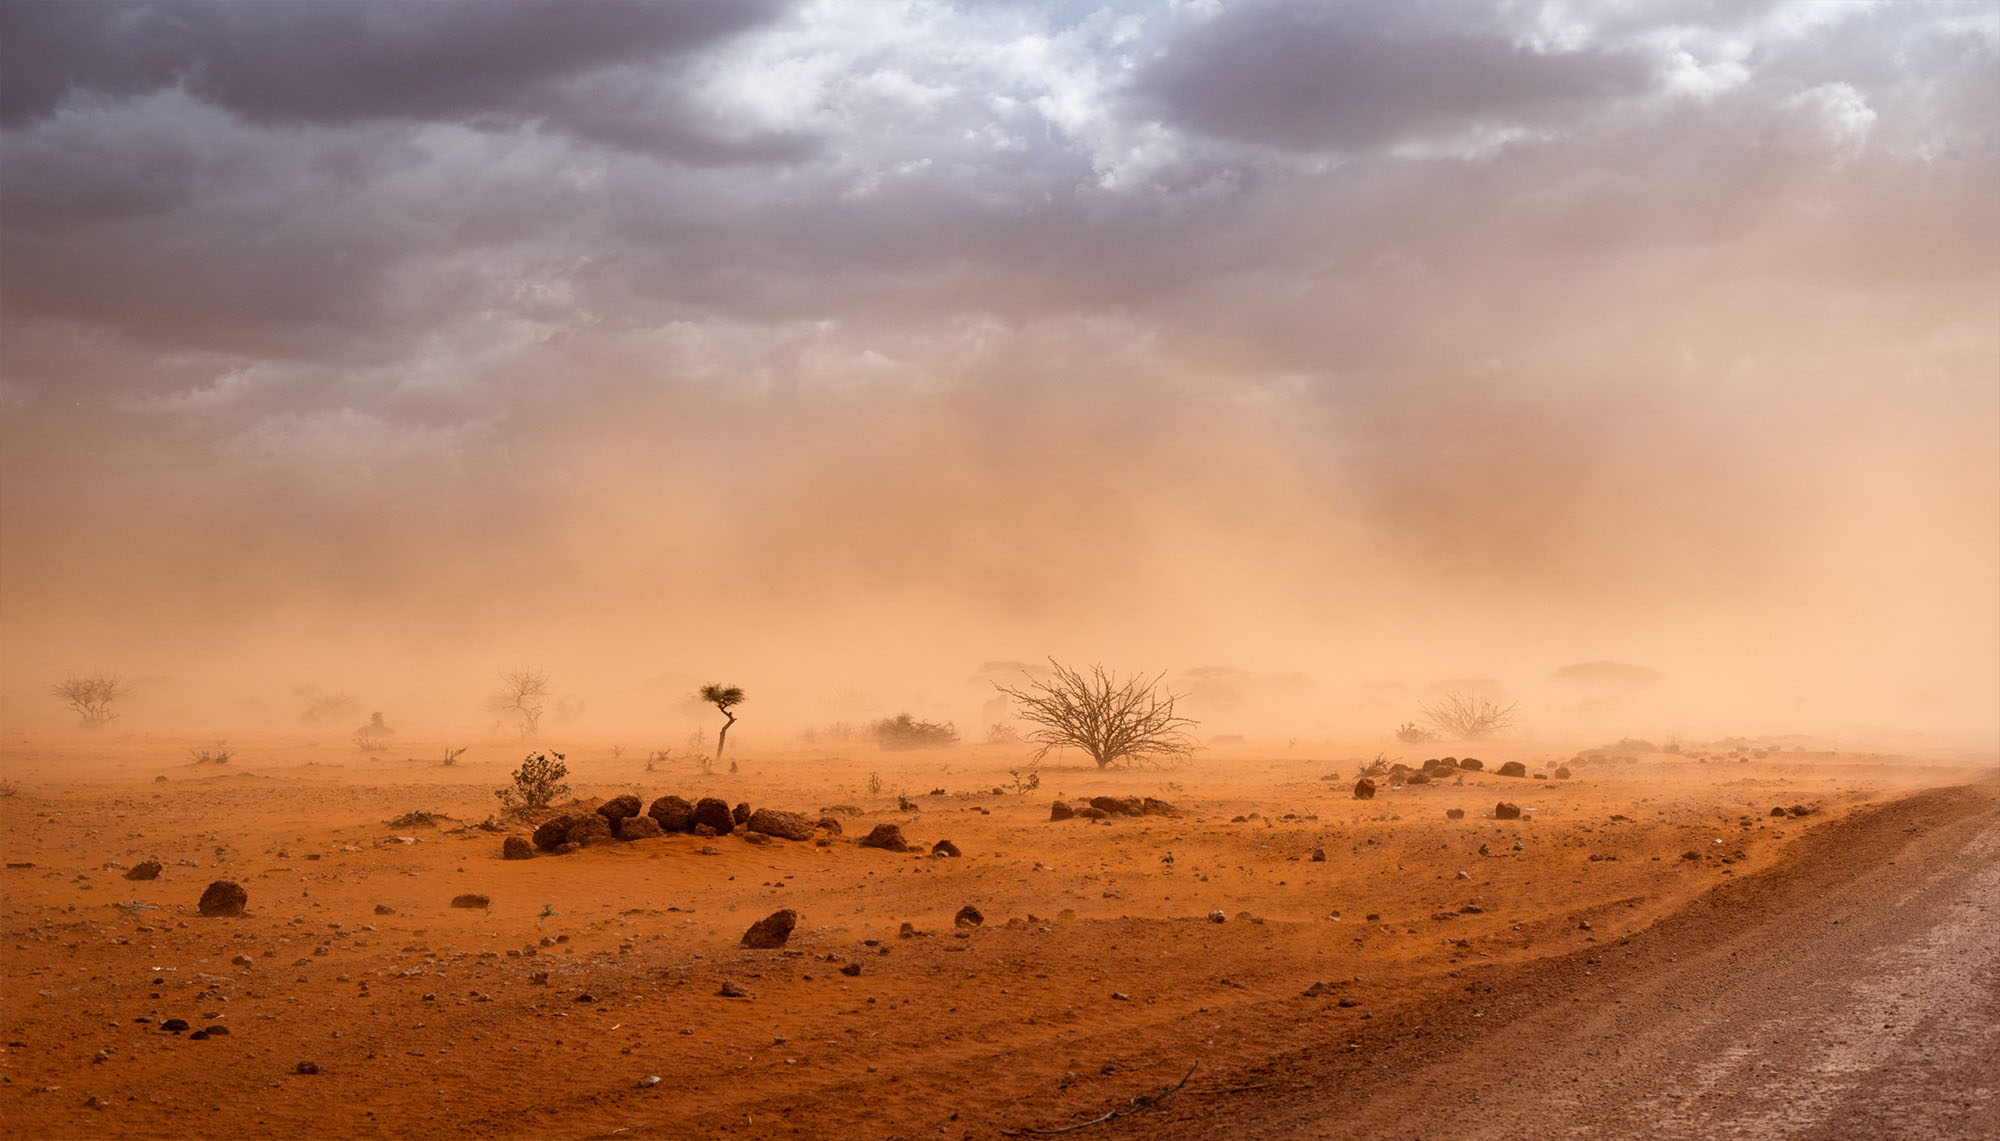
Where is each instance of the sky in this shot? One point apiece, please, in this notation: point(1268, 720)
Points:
point(1318, 356)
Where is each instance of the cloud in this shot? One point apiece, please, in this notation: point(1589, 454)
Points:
point(1363, 75)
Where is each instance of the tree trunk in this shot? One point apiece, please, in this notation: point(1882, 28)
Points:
point(723, 736)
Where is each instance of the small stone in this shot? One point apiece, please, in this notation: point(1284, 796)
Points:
point(384, 909)
point(1513, 769)
point(638, 827)
point(783, 825)
point(619, 807)
point(1319, 855)
point(772, 931)
point(1506, 811)
point(222, 899)
point(243, 960)
point(731, 990)
point(887, 837)
point(1218, 916)
point(968, 916)
point(944, 848)
point(1364, 789)
point(1061, 810)
point(471, 899)
point(144, 870)
point(517, 848)
point(174, 1025)
point(306, 1068)
point(851, 970)
point(1454, 814)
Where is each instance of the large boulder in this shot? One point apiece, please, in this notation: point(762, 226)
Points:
point(771, 932)
point(516, 848)
point(552, 834)
point(714, 813)
point(673, 813)
point(590, 828)
point(638, 828)
point(1506, 811)
point(1472, 764)
point(1513, 769)
point(619, 807)
point(1061, 810)
point(1119, 805)
point(223, 898)
point(783, 825)
point(887, 837)
point(1364, 789)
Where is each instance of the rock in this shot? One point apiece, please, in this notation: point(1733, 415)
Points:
point(1061, 810)
point(174, 1025)
point(1800, 810)
point(144, 870)
point(1152, 806)
point(1092, 812)
point(1218, 916)
point(1562, 772)
point(1777, 812)
point(384, 909)
point(516, 848)
point(755, 838)
point(968, 916)
point(888, 837)
point(784, 825)
point(243, 961)
point(551, 833)
point(1513, 769)
point(1319, 855)
point(1119, 805)
point(851, 970)
point(590, 828)
point(1454, 814)
point(618, 808)
point(771, 932)
point(740, 814)
point(731, 990)
point(945, 848)
point(306, 1068)
point(705, 832)
point(1364, 789)
point(715, 814)
point(1690, 855)
point(1506, 811)
point(223, 898)
point(1472, 764)
point(216, 1031)
point(565, 848)
point(639, 828)
point(1417, 778)
point(471, 899)
point(673, 813)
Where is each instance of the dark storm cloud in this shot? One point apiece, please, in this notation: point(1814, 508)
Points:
point(1360, 75)
point(336, 63)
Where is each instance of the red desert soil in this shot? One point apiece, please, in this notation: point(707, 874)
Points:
point(1097, 975)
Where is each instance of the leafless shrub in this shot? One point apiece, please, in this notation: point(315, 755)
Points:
point(523, 693)
point(451, 757)
point(374, 736)
point(905, 732)
point(1114, 722)
point(91, 695)
point(1001, 733)
point(1468, 717)
point(1411, 733)
point(215, 754)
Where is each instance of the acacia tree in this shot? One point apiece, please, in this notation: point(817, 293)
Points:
point(722, 697)
point(91, 695)
point(522, 694)
point(1468, 717)
point(1132, 721)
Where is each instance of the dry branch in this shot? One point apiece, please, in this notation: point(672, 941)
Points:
point(1467, 717)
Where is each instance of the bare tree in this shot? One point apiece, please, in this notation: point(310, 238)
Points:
point(722, 697)
point(1132, 721)
point(522, 694)
point(91, 695)
point(1467, 716)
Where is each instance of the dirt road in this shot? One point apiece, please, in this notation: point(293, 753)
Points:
point(1851, 991)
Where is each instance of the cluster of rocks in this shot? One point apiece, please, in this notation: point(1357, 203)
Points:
point(627, 818)
point(1106, 807)
point(1794, 810)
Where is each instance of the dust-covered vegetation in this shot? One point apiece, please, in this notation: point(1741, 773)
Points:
point(1129, 722)
point(90, 696)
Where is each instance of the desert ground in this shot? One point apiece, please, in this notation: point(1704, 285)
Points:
point(1211, 951)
